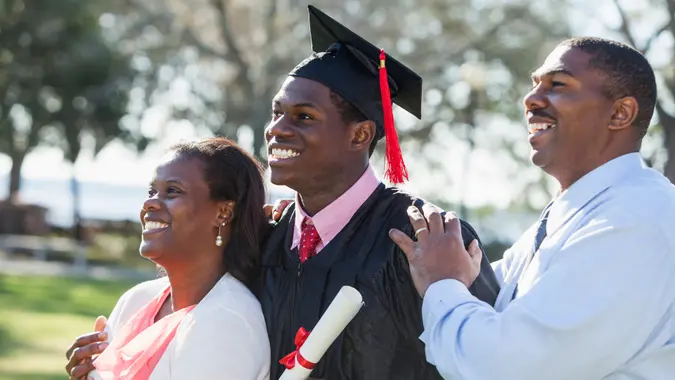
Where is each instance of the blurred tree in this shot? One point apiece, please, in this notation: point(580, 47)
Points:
point(60, 82)
point(230, 56)
point(215, 63)
point(665, 109)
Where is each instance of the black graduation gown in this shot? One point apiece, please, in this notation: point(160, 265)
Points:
point(382, 342)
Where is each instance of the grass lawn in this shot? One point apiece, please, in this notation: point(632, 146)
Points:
point(40, 317)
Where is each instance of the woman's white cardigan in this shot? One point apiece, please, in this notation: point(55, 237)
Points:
point(223, 337)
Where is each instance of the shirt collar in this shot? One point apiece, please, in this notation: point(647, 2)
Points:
point(570, 201)
point(334, 217)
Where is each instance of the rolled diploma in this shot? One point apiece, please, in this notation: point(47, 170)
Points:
point(340, 312)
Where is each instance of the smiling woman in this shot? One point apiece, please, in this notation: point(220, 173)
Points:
point(202, 185)
point(202, 222)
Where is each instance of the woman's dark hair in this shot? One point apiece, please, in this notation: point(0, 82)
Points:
point(232, 174)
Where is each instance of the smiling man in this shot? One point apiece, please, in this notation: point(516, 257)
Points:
point(327, 117)
point(589, 291)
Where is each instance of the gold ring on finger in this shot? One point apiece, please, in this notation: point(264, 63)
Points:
point(419, 230)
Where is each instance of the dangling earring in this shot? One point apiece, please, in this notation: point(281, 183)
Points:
point(219, 238)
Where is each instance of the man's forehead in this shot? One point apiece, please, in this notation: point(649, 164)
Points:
point(283, 90)
point(300, 90)
point(563, 59)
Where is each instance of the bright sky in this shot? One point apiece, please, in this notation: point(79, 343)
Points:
point(492, 174)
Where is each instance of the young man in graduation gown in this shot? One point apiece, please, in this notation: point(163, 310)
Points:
point(327, 117)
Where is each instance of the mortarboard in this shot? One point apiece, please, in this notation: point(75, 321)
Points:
point(365, 76)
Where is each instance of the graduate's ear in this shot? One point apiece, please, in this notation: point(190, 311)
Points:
point(363, 134)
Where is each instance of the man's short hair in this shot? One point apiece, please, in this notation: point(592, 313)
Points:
point(350, 114)
point(627, 73)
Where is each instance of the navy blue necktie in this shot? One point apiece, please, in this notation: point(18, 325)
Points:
point(539, 238)
point(541, 230)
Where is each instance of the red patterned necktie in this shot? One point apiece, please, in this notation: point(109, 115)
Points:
point(309, 240)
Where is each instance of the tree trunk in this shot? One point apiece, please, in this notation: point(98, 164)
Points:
point(15, 175)
point(669, 137)
point(258, 143)
point(667, 122)
point(77, 219)
point(12, 220)
point(259, 123)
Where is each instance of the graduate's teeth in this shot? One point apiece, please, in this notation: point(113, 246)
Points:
point(282, 154)
point(539, 127)
point(151, 225)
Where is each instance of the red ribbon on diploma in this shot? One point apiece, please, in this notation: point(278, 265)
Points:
point(289, 360)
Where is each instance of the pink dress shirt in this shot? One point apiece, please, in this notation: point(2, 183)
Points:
point(334, 217)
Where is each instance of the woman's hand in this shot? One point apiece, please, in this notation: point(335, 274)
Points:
point(84, 348)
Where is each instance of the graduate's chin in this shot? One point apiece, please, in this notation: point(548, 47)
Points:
point(281, 177)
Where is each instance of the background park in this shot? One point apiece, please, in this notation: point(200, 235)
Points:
point(92, 92)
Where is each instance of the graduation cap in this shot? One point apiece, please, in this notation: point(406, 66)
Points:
point(365, 76)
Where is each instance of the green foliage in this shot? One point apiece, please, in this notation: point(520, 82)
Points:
point(57, 68)
point(42, 315)
point(89, 298)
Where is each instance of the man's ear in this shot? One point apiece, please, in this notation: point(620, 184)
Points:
point(363, 134)
point(625, 112)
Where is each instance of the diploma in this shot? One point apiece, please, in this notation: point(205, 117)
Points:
point(312, 346)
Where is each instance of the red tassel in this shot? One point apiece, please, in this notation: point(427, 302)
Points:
point(396, 171)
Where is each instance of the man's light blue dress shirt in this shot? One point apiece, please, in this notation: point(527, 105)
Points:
point(596, 301)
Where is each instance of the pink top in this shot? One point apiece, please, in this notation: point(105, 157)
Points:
point(134, 353)
point(334, 217)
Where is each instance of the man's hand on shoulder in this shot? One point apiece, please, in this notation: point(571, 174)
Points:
point(439, 252)
point(274, 212)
